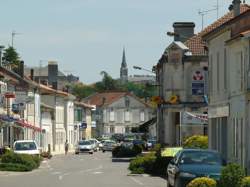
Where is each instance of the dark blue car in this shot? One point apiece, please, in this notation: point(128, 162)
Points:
point(189, 164)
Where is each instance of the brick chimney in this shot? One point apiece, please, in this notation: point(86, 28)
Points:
point(52, 74)
point(32, 74)
point(21, 69)
point(183, 31)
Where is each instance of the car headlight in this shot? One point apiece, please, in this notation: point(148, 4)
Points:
point(185, 174)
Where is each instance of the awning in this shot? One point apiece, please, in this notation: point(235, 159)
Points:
point(170, 152)
point(8, 119)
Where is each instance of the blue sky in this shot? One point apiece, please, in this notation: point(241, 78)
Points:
point(87, 36)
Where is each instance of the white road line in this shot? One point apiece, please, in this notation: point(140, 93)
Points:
point(89, 170)
point(137, 181)
point(61, 176)
point(56, 173)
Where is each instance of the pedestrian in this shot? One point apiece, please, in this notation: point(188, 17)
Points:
point(66, 147)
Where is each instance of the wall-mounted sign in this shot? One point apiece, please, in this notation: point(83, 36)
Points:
point(9, 95)
point(198, 83)
point(193, 118)
point(83, 125)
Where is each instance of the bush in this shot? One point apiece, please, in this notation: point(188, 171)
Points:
point(13, 167)
point(231, 175)
point(202, 182)
point(121, 151)
point(31, 162)
point(197, 141)
point(246, 182)
point(142, 164)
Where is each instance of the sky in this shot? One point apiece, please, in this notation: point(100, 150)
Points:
point(86, 37)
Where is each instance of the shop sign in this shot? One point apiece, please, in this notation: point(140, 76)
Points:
point(83, 125)
point(198, 83)
point(9, 95)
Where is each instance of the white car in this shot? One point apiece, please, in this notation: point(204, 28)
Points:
point(26, 147)
point(84, 146)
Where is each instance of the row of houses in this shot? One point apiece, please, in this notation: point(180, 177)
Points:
point(206, 76)
point(31, 110)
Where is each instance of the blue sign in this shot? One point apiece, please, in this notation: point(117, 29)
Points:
point(198, 88)
point(83, 125)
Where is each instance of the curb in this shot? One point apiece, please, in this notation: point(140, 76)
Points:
point(137, 175)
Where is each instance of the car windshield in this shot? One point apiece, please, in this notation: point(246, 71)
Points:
point(201, 157)
point(25, 146)
point(84, 143)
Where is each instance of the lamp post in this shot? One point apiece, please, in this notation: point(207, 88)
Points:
point(140, 68)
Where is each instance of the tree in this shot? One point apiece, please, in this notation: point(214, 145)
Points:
point(81, 91)
point(107, 83)
point(11, 57)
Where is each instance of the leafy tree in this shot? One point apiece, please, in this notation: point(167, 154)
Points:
point(107, 83)
point(81, 91)
point(11, 57)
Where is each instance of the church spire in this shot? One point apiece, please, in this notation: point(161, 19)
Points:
point(124, 69)
point(124, 63)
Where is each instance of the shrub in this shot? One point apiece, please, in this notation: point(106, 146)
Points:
point(121, 151)
point(31, 162)
point(196, 142)
point(231, 175)
point(13, 167)
point(202, 182)
point(142, 164)
point(246, 182)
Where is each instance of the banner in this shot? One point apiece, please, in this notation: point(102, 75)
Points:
point(194, 118)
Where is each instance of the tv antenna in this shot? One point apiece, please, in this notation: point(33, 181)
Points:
point(13, 34)
point(205, 12)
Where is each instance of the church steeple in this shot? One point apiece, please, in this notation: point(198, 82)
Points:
point(124, 69)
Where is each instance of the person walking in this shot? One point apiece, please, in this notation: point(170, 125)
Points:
point(66, 147)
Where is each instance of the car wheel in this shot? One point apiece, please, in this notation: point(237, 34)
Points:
point(77, 153)
point(103, 151)
point(91, 153)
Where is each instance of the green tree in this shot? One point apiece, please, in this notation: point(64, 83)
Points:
point(107, 83)
point(81, 91)
point(11, 57)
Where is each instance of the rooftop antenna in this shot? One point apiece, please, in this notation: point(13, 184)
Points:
point(13, 34)
point(205, 12)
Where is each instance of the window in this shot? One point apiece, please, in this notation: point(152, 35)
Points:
point(112, 129)
point(112, 115)
point(127, 115)
point(142, 116)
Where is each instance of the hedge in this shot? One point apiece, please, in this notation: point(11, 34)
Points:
point(29, 162)
point(14, 167)
point(232, 175)
point(122, 152)
point(196, 141)
point(246, 182)
point(202, 182)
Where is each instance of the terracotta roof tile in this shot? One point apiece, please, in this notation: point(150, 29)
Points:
point(196, 44)
point(98, 98)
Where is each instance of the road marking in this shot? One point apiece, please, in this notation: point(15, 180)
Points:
point(137, 181)
point(56, 173)
point(61, 176)
point(89, 170)
point(97, 172)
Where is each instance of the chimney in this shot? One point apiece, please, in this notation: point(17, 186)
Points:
point(52, 74)
point(236, 7)
point(32, 74)
point(183, 31)
point(21, 69)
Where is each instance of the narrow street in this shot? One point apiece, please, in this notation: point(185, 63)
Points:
point(80, 170)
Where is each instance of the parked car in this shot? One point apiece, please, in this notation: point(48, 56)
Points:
point(108, 145)
point(26, 147)
point(139, 142)
point(189, 164)
point(95, 144)
point(84, 146)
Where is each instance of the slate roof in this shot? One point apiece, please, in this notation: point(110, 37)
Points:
point(196, 44)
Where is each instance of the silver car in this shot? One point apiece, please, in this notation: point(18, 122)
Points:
point(84, 146)
point(108, 145)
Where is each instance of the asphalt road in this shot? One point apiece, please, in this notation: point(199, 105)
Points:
point(86, 170)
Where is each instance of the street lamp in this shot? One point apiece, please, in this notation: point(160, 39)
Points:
point(140, 68)
point(1, 49)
